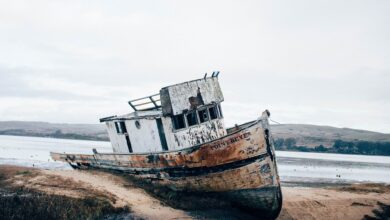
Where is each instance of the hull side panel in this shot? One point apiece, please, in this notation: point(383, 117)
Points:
point(240, 166)
point(254, 175)
point(242, 145)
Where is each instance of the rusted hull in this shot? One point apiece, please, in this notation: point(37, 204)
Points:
point(240, 166)
point(264, 202)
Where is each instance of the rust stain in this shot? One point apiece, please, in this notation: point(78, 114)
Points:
point(238, 163)
point(239, 146)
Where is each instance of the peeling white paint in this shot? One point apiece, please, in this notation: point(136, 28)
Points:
point(180, 97)
point(146, 137)
point(118, 141)
point(179, 94)
point(194, 135)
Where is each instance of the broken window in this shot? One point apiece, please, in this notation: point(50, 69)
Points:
point(213, 112)
point(120, 127)
point(178, 121)
point(203, 116)
point(123, 127)
point(117, 127)
point(192, 119)
point(220, 115)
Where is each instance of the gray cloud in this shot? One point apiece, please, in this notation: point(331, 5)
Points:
point(322, 62)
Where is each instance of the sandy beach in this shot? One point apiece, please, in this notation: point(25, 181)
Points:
point(356, 201)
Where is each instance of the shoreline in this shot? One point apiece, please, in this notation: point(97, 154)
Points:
point(290, 181)
point(305, 149)
point(119, 195)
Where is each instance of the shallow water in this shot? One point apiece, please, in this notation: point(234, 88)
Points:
point(35, 151)
point(293, 166)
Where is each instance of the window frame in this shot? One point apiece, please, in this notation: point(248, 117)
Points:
point(119, 125)
point(116, 123)
point(207, 113)
point(197, 121)
point(215, 107)
point(220, 115)
point(173, 122)
point(122, 126)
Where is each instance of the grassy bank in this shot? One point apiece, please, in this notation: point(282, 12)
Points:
point(19, 202)
point(339, 147)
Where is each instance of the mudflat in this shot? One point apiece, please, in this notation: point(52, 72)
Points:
point(100, 194)
point(355, 201)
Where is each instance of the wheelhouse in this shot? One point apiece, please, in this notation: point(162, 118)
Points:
point(179, 116)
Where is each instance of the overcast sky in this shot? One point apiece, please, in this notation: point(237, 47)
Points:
point(309, 62)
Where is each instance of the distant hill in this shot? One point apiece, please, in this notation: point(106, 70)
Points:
point(314, 138)
point(55, 130)
point(296, 137)
point(315, 135)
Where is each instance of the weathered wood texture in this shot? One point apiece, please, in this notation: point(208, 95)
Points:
point(118, 141)
point(185, 96)
point(145, 138)
point(238, 146)
point(254, 175)
point(194, 135)
point(175, 99)
point(241, 164)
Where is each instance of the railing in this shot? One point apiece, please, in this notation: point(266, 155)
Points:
point(146, 103)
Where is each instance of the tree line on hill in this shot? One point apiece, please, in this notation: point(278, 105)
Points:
point(56, 134)
point(339, 146)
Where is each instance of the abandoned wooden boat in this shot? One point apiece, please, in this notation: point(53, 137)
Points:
point(178, 139)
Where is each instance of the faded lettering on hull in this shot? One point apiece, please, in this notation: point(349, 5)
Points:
point(238, 161)
point(238, 146)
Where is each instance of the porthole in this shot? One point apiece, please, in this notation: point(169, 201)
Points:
point(137, 124)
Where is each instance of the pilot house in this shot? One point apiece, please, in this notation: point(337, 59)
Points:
point(180, 116)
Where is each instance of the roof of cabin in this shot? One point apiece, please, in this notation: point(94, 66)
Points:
point(155, 113)
point(153, 102)
point(151, 106)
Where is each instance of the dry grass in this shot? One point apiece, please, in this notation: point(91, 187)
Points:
point(365, 188)
point(26, 194)
point(383, 212)
point(7, 172)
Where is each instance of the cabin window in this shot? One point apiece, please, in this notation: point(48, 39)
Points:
point(213, 112)
point(220, 115)
point(117, 127)
point(203, 116)
point(192, 119)
point(178, 121)
point(120, 127)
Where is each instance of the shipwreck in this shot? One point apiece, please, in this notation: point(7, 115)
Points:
point(177, 138)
